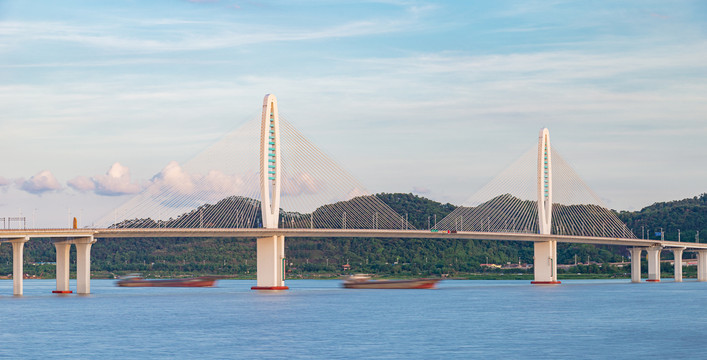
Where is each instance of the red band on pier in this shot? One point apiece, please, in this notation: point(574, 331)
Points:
point(269, 288)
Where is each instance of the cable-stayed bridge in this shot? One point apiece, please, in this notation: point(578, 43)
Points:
point(266, 180)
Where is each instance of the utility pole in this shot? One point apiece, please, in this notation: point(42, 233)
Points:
point(678, 235)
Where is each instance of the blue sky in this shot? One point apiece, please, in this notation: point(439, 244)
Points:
point(434, 98)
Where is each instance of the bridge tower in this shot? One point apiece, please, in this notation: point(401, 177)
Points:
point(271, 249)
point(545, 259)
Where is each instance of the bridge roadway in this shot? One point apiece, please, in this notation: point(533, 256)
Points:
point(7, 235)
point(84, 238)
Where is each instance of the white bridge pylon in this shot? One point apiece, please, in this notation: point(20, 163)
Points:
point(270, 163)
point(545, 255)
point(270, 250)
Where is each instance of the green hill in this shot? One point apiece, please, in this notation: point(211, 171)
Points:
point(687, 215)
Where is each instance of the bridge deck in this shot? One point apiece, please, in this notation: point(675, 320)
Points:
point(6, 235)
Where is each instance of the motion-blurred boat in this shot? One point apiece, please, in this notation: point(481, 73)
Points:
point(362, 281)
point(137, 281)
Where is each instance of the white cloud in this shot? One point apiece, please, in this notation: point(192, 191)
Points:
point(175, 182)
point(302, 183)
point(116, 182)
point(356, 192)
point(420, 190)
point(219, 183)
point(174, 179)
point(82, 184)
point(4, 184)
point(43, 182)
point(218, 35)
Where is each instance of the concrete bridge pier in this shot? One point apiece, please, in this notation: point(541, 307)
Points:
point(636, 264)
point(653, 263)
point(18, 246)
point(701, 265)
point(677, 254)
point(83, 265)
point(545, 263)
point(271, 263)
point(62, 267)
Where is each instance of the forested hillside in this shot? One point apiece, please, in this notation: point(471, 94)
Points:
point(309, 257)
point(687, 215)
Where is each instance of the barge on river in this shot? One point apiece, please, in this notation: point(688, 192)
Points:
point(365, 282)
point(138, 281)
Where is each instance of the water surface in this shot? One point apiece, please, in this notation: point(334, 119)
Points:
point(319, 319)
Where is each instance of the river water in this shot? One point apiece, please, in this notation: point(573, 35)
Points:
point(319, 319)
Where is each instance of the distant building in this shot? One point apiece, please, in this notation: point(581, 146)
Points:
point(495, 266)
